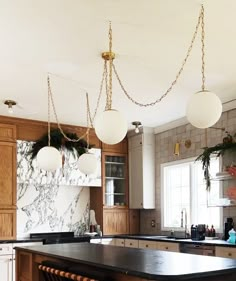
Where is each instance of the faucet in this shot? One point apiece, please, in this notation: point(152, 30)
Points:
point(184, 222)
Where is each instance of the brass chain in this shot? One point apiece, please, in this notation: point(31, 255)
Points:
point(49, 135)
point(203, 48)
point(200, 20)
point(109, 100)
point(50, 98)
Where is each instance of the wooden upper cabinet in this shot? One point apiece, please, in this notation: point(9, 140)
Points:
point(7, 132)
point(121, 147)
point(8, 175)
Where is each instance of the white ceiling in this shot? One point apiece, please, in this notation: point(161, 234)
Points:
point(150, 38)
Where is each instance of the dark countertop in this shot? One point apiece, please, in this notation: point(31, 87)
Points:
point(21, 240)
point(149, 264)
point(172, 240)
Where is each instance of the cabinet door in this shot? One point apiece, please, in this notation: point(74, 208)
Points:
point(115, 222)
point(7, 175)
point(6, 268)
point(136, 177)
point(115, 181)
point(7, 224)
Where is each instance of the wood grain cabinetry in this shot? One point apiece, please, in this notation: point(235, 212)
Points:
point(115, 221)
point(225, 252)
point(111, 201)
point(7, 181)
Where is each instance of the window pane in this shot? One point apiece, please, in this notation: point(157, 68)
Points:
point(176, 193)
point(184, 187)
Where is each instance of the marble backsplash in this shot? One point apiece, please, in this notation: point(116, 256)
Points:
point(51, 202)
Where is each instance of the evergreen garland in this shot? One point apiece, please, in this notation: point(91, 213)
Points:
point(58, 141)
point(218, 150)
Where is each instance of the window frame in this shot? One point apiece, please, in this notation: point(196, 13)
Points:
point(177, 162)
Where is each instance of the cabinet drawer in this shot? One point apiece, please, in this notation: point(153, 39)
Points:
point(225, 252)
point(147, 244)
point(120, 242)
point(6, 249)
point(166, 246)
point(132, 243)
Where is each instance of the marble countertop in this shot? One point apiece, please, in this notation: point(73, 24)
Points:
point(149, 264)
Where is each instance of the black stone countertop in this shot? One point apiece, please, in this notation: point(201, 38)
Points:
point(20, 240)
point(172, 240)
point(149, 264)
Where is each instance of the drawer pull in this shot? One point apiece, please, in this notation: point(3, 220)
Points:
point(229, 254)
point(166, 248)
point(1, 249)
point(131, 244)
point(146, 246)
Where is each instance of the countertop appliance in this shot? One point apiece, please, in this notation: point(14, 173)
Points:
point(59, 237)
point(205, 250)
point(229, 224)
point(198, 232)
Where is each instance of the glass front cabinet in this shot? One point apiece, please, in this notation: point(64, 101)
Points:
point(115, 179)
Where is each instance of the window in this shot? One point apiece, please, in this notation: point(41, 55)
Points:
point(183, 186)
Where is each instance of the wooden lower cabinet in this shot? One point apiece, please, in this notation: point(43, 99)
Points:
point(8, 224)
point(115, 221)
point(225, 252)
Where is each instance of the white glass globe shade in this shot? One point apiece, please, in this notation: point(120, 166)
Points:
point(204, 109)
point(111, 127)
point(49, 158)
point(87, 163)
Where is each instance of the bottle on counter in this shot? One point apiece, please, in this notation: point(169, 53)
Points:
point(207, 231)
point(213, 232)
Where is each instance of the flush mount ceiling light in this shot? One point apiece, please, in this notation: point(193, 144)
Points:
point(136, 124)
point(203, 110)
point(10, 104)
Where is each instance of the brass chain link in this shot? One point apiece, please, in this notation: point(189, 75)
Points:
point(110, 69)
point(203, 48)
point(200, 21)
point(49, 135)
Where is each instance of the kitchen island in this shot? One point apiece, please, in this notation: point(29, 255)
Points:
point(119, 263)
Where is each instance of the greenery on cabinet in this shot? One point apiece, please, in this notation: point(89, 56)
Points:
point(228, 144)
point(59, 142)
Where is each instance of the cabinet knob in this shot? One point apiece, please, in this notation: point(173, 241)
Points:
point(1, 249)
point(141, 204)
point(131, 244)
point(229, 254)
point(166, 248)
point(146, 246)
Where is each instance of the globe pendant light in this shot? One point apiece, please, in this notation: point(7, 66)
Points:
point(49, 158)
point(204, 108)
point(110, 126)
point(87, 163)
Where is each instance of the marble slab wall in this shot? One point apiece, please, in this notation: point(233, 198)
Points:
point(52, 201)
